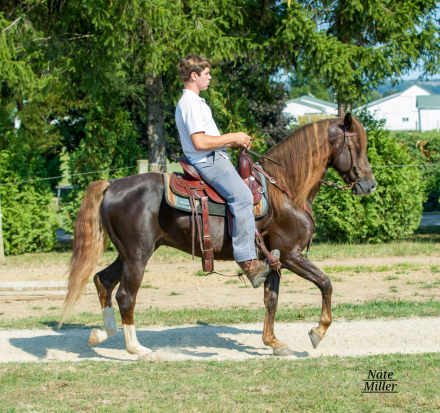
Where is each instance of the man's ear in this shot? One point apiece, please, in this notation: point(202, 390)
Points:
point(348, 122)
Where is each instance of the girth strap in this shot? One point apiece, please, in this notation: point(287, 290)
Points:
point(207, 250)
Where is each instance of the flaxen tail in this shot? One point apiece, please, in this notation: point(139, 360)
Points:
point(88, 244)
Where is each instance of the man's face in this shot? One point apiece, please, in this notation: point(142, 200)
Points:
point(202, 81)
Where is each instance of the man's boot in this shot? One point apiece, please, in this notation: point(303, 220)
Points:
point(257, 271)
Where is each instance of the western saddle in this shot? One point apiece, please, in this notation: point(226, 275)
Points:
point(190, 184)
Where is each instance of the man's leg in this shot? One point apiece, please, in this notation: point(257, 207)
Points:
point(222, 176)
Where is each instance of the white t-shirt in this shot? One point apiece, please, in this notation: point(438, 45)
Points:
point(194, 115)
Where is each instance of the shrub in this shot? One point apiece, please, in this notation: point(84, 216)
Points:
point(29, 221)
point(393, 211)
point(425, 149)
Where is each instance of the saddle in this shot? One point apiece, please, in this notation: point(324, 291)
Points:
point(190, 184)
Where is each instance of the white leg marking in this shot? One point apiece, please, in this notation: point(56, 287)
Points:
point(98, 336)
point(133, 346)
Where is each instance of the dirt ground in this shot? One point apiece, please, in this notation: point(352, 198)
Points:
point(175, 285)
point(234, 342)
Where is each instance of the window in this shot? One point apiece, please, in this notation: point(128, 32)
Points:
point(405, 119)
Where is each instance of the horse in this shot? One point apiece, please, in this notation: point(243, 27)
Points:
point(133, 213)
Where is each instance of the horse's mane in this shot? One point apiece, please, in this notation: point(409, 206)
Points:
point(304, 155)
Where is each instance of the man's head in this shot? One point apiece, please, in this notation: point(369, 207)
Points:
point(195, 69)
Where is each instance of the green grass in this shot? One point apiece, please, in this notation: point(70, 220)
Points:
point(426, 241)
point(200, 273)
point(401, 267)
point(391, 278)
point(326, 384)
point(174, 293)
point(231, 282)
point(236, 315)
point(149, 286)
point(393, 289)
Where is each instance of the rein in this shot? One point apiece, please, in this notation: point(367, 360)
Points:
point(350, 144)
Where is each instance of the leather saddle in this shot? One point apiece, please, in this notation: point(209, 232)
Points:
point(190, 184)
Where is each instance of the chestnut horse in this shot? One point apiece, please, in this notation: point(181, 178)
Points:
point(134, 214)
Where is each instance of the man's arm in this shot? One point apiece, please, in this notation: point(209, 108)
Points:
point(204, 142)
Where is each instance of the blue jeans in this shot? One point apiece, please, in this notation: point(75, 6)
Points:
point(219, 172)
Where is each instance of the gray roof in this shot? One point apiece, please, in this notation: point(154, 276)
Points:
point(312, 102)
point(430, 101)
point(381, 100)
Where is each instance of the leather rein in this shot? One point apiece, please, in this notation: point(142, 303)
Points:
point(351, 147)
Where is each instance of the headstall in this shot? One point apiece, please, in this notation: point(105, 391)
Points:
point(351, 148)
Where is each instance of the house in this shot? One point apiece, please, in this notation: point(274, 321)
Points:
point(309, 105)
point(400, 109)
point(429, 112)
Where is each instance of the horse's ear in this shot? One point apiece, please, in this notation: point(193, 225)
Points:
point(348, 122)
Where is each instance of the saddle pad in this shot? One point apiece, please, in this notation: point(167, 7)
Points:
point(182, 203)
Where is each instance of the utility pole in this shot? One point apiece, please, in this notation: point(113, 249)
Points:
point(2, 249)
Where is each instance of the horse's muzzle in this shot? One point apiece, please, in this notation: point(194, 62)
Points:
point(364, 187)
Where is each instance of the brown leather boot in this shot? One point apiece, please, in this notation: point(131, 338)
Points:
point(257, 271)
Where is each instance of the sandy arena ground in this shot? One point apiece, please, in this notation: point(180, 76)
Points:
point(215, 291)
point(356, 338)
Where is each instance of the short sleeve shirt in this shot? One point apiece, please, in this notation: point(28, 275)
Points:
point(194, 115)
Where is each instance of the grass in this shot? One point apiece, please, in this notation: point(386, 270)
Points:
point(325, 384)
point(401, 268)
point(174, 293)
point(393, 289)
point(200, 273)
point(391, 278)
point(231, 282)
point(236, 315)
point(149, 286)
point(426, 241)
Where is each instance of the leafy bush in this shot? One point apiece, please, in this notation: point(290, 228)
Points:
point(393, 211)
point(29, 221)
point(109, 143)
point(425, 149)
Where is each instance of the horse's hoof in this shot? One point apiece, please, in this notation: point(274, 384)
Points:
point(282, 352)
point(95, 337)
point(315, 337)
point(147, 357)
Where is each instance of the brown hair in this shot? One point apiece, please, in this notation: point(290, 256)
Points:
point(191, 63)
point(88, 244)
point(304, 155)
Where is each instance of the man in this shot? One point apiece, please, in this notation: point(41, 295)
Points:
point(206, 149)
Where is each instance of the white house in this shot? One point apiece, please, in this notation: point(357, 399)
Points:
point(309, 105)
point(429, 112)
point(400, 109)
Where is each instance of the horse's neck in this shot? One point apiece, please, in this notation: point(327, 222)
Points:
point(314, 191)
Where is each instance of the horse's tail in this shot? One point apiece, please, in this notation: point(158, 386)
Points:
point(88, 244)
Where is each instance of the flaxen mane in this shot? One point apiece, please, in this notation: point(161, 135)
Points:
point(304, 155)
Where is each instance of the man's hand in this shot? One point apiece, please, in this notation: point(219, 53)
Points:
point(241, 140)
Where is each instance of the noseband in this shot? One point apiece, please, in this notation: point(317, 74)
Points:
point(351, 149)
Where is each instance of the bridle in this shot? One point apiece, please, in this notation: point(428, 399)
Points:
point(351, 148)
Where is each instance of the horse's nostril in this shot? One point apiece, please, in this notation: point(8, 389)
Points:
point(373, 187)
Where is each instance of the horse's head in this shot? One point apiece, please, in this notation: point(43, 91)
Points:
point(349, 156)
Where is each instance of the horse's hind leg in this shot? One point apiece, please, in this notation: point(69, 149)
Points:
point(271, 291)
point(105, 282)
point(299, 264)
point(132, 274)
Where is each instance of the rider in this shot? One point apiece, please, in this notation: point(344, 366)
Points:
point(205, 148)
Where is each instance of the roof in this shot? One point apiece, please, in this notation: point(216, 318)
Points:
point(428, 101)
point(312, 102)
point(394, 95)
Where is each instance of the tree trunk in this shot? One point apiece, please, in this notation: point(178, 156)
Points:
point(343, 108)
point(155, 123)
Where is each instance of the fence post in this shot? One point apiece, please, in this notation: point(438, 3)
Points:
point(2, 249)
point(142, 166)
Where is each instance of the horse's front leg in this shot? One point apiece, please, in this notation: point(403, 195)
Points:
point(299, 264)
point(271, 291)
